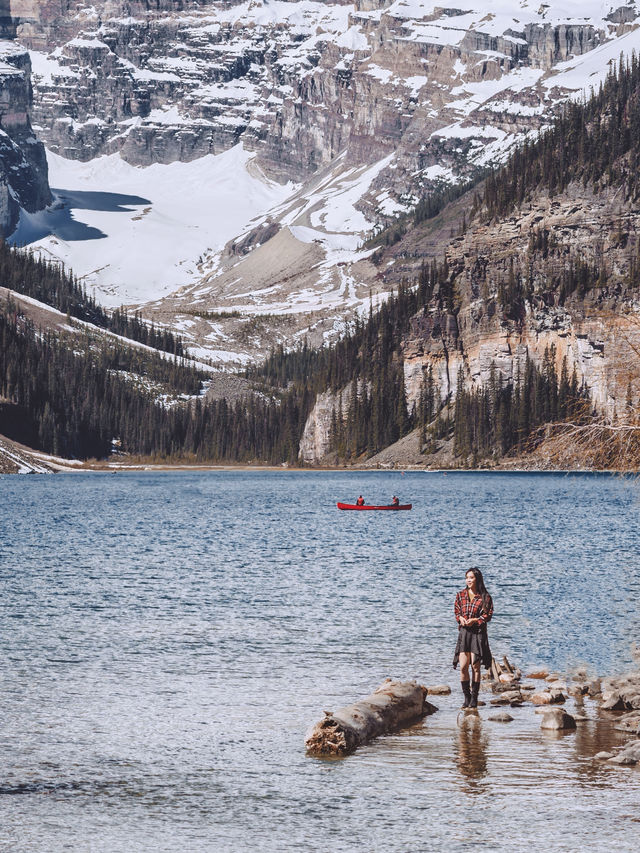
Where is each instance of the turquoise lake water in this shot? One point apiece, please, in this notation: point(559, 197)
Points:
point(168, 638)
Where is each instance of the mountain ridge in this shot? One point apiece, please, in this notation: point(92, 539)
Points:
point(386, 100)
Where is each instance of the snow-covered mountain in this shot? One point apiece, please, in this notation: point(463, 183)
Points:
point(218, 157)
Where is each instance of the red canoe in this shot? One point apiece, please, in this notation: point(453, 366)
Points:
point(368, 506)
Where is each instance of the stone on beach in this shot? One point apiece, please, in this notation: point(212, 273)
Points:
point(603, 756)
point(501, 717)
point(509, 697)
point(512, 696)
point(612, 701)
point(439, 690)
point(393, 705)
point(557, 719)
point(505, 687)
point(629, 723)
point(628, 755)
point(547, 697)
point(621, 693)
point(594, 687)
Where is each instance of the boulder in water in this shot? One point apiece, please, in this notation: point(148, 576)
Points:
point(557, 719)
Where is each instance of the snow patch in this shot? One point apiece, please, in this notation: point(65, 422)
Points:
point(132, 234)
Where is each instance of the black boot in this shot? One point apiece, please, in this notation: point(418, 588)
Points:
point(467, 693)
point(475, 687)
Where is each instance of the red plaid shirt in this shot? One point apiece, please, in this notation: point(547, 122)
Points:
point(473, 609)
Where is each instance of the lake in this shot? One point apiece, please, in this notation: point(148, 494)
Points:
point(169, 637)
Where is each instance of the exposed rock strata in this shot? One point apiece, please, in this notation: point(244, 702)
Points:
point(594, 335)
point(23, 166)
point(16, 458)
point(598, 335)
point(176, 80)
point(395, 96)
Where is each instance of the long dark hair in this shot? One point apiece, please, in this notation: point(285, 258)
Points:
point(481, 589)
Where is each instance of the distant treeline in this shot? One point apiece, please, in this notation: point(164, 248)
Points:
point(496, 418)
point(371, 412)
point(597, 143)
point(47, 282)
point(75, 397)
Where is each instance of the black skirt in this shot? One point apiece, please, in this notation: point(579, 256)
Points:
point(473, 640)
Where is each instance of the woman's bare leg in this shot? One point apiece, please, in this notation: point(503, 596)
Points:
point(475, 668)
point(465, 660)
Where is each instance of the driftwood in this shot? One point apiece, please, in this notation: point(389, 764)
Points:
point(393, 705)
point(505, 673)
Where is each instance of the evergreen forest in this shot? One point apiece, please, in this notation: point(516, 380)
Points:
point(51, 284)
point(596, 143)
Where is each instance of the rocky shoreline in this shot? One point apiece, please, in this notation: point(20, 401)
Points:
point(617, 698)
point(401, 704)
point(16, 458)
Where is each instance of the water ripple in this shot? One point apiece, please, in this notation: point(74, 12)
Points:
point(168, 638)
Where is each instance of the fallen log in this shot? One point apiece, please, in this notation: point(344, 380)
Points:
point(393, 705)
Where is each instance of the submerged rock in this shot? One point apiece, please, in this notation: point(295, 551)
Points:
point(512, 696)
point(501, 717)
point(538, 673)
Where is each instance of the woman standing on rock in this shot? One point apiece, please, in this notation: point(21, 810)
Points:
point(473, 609)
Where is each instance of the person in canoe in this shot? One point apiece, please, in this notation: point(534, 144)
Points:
point(395, 501)
point(360, 501)
point(473, 608)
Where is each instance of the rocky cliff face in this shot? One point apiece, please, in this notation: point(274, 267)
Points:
point(597, 333)
point(23, 166)
point(300, 83)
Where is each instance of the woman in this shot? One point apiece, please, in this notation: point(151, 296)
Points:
point(473, 609)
